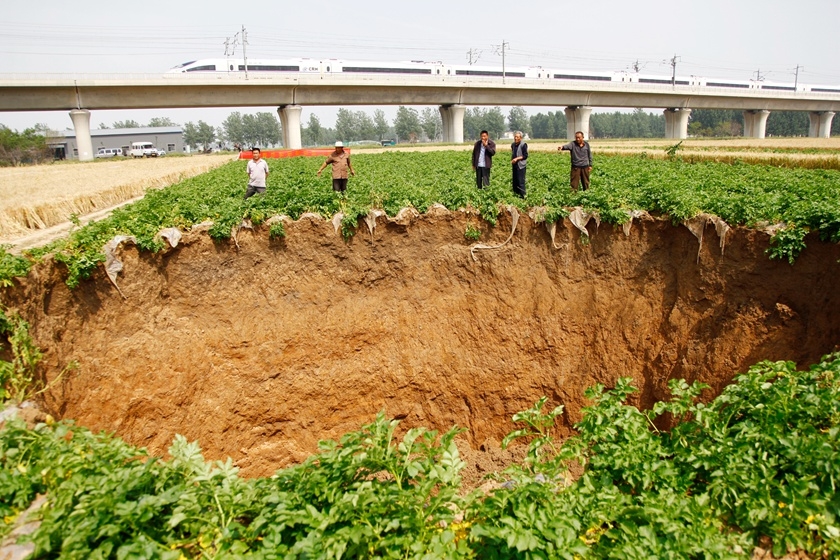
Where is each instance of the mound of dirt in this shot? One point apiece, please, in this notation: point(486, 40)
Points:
point(260, 348)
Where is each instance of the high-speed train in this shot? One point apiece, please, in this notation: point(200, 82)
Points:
point(439, 69)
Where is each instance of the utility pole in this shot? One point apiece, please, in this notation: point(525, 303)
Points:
point(505, 45)
point(796, 79)
point(473, 53)
point(673, 63)
point(244, 54)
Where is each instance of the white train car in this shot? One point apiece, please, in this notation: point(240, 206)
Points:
point(437, 69)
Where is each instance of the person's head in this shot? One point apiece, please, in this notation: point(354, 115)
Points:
point(339, 146)
point(517, 137)
point(255, 153)
point(579, 138)
point(484, 135)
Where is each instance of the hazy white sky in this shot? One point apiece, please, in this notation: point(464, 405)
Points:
point(714, 38)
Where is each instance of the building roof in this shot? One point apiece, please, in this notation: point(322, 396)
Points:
point(126, 131)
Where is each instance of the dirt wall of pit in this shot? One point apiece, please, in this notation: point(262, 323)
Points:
point(260, 348)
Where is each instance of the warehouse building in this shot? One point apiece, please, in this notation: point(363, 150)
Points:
point(167, 138)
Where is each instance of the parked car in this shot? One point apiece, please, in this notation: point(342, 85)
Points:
point(108, 152)
point(161, 153)
point(143, 149)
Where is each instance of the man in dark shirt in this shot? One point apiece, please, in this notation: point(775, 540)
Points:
point(581, 161)
point(482, 159)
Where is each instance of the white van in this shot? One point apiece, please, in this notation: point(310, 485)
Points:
point(143, 149)
point(108, 152)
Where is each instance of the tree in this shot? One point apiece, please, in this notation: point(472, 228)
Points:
point(789, 123)
point(29, 146)
point(128, 123)
point(312, 134)
point(234, 130)
point(551, 125)
point(518, 120)
point(161, 121)
point(269, 132)
point(478, 119)
point(345, 125)
point(380, 124)
point(201, 134)
point(407, 124)
point(432, 123)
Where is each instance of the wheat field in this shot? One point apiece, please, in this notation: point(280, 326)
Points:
point(37, 197)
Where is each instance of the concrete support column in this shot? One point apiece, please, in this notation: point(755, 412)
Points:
point(577, 119)
point(81, 124)
point(676, 123)
point(453, 123)
point(820, 124)
point(290, 121)
point(755, 123)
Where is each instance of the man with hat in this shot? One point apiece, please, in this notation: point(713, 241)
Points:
point(340, 161)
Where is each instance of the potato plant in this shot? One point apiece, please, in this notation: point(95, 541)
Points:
point(761, 461)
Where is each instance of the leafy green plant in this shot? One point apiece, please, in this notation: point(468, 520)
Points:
point(11, 266)
point(18, 377)
point(277, 230)
point(472, 233)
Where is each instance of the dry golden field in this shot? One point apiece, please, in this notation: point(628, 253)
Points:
point(34, 198)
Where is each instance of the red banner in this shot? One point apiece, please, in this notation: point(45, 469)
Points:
point(289, 153)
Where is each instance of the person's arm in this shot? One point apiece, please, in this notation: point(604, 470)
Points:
point(524, 150)
point(589, 150)
point(350, 167)
point(266, 169)
point(324, 165)
point(564, 147)
point(490, 148)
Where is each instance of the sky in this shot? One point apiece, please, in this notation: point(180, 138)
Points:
point(735, 39)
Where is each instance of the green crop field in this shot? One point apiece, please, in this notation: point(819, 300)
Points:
point(801, 200)
point(759, 461)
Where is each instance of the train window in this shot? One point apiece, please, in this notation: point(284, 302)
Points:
point(328, 68)
point(231, 66)
point(438, 71)
point(209, 67)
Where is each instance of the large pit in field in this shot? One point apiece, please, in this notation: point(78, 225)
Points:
point(262, 347)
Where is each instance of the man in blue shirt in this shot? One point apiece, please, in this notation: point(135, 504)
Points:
point(482, 159)
point(581, 161)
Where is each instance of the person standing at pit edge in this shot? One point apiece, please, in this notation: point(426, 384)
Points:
point(518, 160)
point(581, 161)
point(257, 174)
point(482, 159)
point(340, 161)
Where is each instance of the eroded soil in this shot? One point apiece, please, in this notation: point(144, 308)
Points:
point(262, 349)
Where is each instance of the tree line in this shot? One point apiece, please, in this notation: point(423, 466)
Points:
point(413, 125)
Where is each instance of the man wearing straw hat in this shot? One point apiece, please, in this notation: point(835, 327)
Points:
point(340, 161)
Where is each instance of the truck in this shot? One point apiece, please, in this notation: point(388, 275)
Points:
point(143, 149)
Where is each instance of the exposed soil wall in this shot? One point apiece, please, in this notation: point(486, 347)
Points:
point(258, 351)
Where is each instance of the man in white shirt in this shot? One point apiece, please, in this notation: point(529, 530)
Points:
point(257, 174)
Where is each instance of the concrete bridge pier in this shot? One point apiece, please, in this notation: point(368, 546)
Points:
point(453, 123)
point(755, 123)
point(676, 123)
point(290, 121)
point(577, 118)
point(820, 124)
point(81, 124)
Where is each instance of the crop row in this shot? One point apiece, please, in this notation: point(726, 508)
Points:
point(759, 462)
point(741, 194)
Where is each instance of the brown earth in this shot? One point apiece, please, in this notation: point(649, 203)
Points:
point(260, 350)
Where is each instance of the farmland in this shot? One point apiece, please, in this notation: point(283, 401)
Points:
point(797, 200)
point(262, 337)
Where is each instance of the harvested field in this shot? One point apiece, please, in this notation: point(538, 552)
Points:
point(36, 198)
